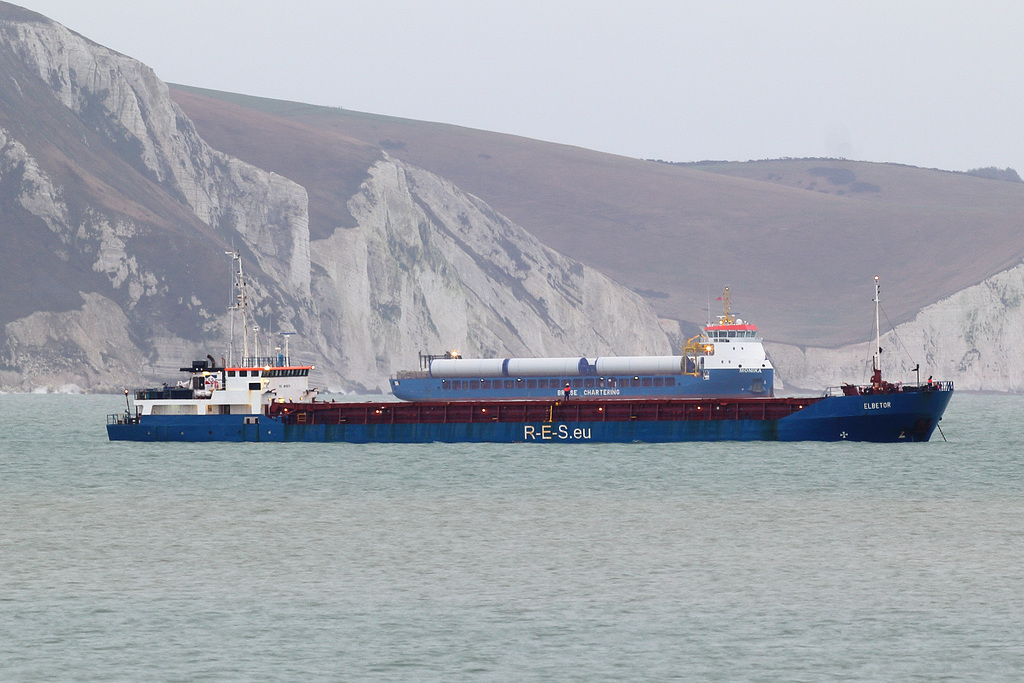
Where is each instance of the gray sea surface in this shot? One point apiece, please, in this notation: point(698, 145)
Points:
point(723, 561)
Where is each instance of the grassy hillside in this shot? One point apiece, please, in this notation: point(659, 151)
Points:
point(798, 241)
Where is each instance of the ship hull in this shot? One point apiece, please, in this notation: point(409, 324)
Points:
point(904, 416)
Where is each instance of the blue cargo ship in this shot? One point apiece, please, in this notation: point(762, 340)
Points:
point(906, 414)
point(269, 399)
point(727, 359)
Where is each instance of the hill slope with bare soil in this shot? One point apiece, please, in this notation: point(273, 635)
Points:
point(798, 241)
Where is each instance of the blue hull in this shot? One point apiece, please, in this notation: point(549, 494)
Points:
point(719, 383)
point(910, 416)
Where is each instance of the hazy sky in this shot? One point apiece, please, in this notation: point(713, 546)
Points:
point(934, 84)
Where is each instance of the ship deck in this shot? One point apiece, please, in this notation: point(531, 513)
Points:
point(581, 410)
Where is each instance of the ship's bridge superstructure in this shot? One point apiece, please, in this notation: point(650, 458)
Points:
point(245, 388)
point(729, 344)
point(236, 390)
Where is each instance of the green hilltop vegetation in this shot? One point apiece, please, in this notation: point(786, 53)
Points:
point(992, 173)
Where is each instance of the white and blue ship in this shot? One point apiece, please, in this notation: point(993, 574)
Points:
point(719, 389)
point(726, 360)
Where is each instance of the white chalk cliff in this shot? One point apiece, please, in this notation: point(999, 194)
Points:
point(427, 268)
point(973, 337)
point(431, 268)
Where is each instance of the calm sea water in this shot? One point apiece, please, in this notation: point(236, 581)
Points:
point(556, 562)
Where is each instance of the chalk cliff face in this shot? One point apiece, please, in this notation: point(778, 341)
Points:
point(138, 231)
point(115, 216)
point(973, 337)
point(431, 268)
point(123, 100)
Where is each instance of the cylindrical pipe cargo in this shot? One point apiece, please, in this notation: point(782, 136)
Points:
point(466, 367)
point(555, 367)
point(639, 365)
point(547, 367)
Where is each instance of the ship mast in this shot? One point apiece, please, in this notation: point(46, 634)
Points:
point(287, 360)
point(239, 303)
point(876, 358)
